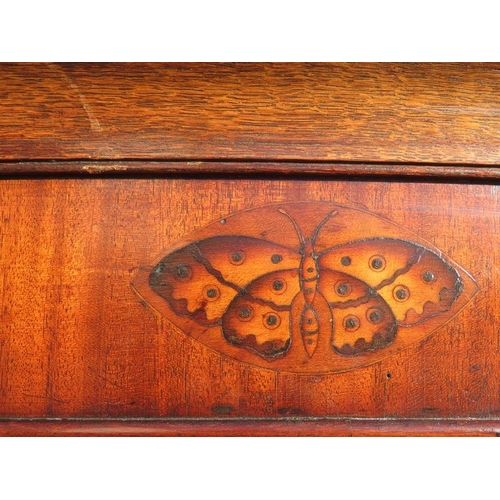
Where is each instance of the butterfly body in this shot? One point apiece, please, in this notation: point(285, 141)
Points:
point(309, 277)
point(304, 289)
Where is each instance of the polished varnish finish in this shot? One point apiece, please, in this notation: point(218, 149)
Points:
point(432, 113)
point(107, 170)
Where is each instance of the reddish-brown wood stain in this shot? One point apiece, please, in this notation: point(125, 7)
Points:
point(96, 184)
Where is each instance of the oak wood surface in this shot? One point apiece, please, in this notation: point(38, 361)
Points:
point(77, 342)
point(411, 113)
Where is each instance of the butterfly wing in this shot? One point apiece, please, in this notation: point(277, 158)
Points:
point(192, 289)
point(200, 280)
point(259, 317)
point(408, 280)
point(362, 319)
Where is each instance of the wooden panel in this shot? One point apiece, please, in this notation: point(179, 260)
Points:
point(77, 342)
point(432, 113)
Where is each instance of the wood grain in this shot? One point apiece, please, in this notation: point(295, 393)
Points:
point(104, 166)
point(412, 113)
point(77, 343)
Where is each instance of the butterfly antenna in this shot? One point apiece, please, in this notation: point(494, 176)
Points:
point(333, 213)
point(295, 225)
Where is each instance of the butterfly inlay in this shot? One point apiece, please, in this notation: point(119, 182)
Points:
point(306, 287)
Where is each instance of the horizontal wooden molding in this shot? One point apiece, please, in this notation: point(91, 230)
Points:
point(250, 427)
point(248, 168)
